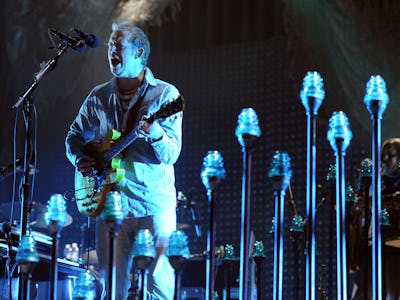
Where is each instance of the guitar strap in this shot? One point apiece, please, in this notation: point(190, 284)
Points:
point(131, 117)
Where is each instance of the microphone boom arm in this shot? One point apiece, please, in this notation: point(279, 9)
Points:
point(45, 67)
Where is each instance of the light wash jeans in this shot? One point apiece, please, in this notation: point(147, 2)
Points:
point(161, 277)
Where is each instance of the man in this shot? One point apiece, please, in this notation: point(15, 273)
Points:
point(390, 158)
point(149, 183)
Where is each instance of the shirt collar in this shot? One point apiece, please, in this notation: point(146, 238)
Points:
point(148, 79)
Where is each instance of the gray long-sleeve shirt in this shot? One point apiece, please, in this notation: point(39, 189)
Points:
point(149, 182)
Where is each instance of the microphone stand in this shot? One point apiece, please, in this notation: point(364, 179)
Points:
point(339, 136)
point(26, 100)
point(312, 96)
point(376, 100)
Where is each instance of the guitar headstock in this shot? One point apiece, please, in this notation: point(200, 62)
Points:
point(168, 109)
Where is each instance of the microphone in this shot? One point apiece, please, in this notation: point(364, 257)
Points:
point(74, 42)
point(6, 170)
point(90, 39)
point(5, 227)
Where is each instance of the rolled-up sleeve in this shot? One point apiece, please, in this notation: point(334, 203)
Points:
point(168, 148)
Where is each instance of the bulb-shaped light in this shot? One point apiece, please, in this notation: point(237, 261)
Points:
point(280, 171)
point(339, 133)
point(312, 94)
point(27, 256)
point(85, 288)
point(56, 216)
point(178, 250)
point(213, 171)
point(376, 98)
point(247, 130)
point(143, 249)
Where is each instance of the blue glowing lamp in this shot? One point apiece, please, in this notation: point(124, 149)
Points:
point(331, 176)
point(143, 249)
point(247, 130)
point(297, 225)
point(112, 212)
point(376, 98)
point(385, 220)
point(280, 171)
point(85, 288)
point(366, 168)
point(178, 250)
point(213, 171)
point(27, 256)
point(312, 94)
point(339, 133)
point(178, 244)
point(258, 251)
point(229, 252)
point(56, 216)
point(350, 194)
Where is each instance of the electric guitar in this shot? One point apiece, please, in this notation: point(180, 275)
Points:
point(91, 191)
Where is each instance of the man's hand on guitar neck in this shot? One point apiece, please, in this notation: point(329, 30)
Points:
point(152, 131)
point(86, 165)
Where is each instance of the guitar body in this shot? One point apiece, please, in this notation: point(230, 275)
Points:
point(90, 203)
point(91, 191)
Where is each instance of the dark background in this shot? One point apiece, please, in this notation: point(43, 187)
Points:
point(223, 56)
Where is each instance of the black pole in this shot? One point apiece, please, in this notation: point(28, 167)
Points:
point(311, 207)
point(365, 184)
point(54, 267)
point(278, 244)
point(143, 288)
point(210, 265)
point(27, 109)
point(341, 257)
point(177, 290)
point(377, 289)
point(245, 225)
point(296, 280)
point(111, 269)
point(227, 277)
point(259, 260)
point(376, 100)
point(332, 249)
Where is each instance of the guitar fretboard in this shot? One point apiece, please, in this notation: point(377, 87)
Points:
point(122, 143)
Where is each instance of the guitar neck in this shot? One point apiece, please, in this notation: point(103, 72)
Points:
point(164, 112)
point(121, 145)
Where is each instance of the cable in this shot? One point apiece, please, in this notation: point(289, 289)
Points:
point(15, 167)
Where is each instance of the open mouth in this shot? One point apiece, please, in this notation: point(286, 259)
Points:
point(115, 61)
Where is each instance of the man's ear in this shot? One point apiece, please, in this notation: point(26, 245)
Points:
point(139, 53)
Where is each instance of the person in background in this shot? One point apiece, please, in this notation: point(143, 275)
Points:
point(148, 187)
point(390, 158)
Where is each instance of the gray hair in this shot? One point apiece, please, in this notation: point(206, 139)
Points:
point(136, 36)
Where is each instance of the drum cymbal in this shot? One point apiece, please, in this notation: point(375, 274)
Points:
point(39, 222)
point(35, 210)
point(90, 257)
